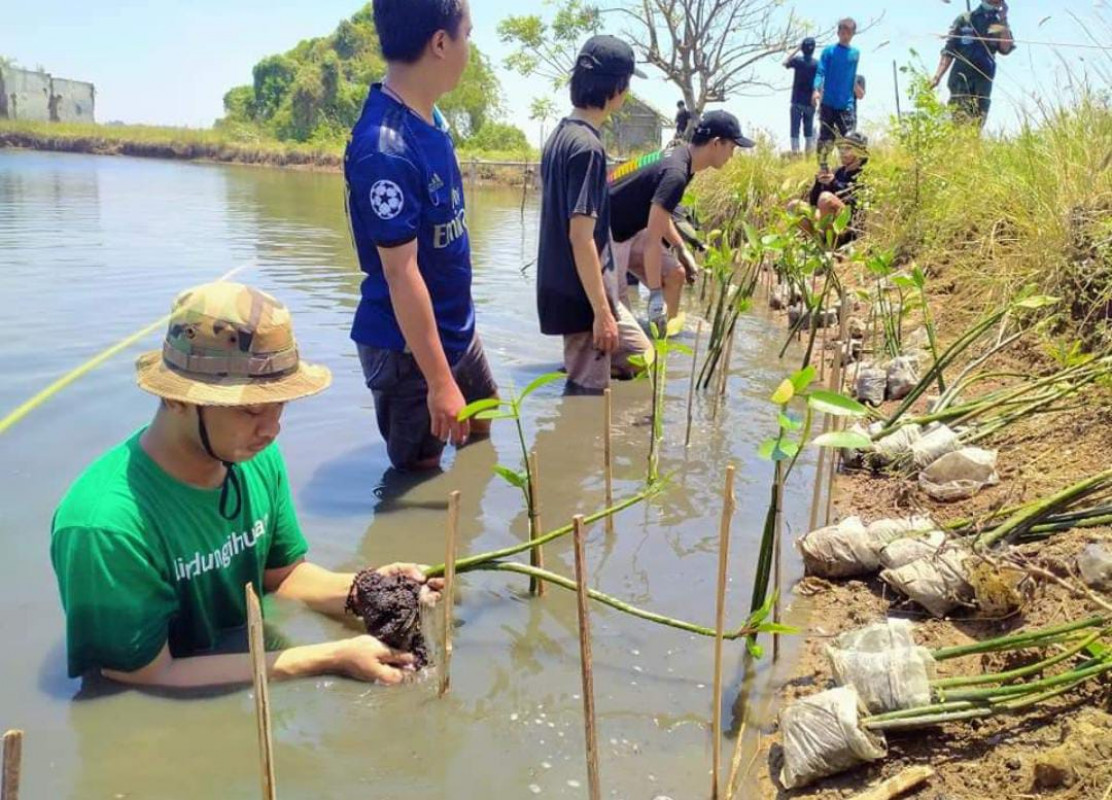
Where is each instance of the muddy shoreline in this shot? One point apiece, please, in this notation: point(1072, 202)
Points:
point(1060, 749)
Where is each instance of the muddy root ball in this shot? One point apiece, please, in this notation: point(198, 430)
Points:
point(390, 607)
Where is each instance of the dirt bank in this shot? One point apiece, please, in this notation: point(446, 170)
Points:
point(1059, 749)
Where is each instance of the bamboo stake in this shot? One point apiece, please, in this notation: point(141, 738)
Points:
point(816, 495)
point(836, 376)
point(536, 555)
point(262, 691)
point(13, 765)
point(585, 661)
point(894, 787)
point(608, 454)
point(448, 597)
point(691, 386)
point(719, 623)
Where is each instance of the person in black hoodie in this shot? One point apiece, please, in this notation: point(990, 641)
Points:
point(833, 192)
point(803, 62)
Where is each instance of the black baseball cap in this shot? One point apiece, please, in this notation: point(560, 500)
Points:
point(608, 55)
point(722, 125)
point(856, 140)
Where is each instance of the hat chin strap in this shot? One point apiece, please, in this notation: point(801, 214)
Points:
point(231, 478)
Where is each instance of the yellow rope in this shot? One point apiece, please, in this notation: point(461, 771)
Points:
point(94, 362)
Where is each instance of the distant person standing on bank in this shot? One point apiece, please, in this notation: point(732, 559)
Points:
point(835, 81)
point(975, 39)
point(683, 119)
point(803, 62)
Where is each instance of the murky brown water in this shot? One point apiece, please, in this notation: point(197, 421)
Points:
point(92, 249)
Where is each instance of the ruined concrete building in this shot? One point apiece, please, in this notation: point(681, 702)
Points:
point(40, 97)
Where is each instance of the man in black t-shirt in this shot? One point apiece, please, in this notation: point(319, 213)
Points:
point(577, 290)
point(683, 119)
point(643, 195)
point(803, 62)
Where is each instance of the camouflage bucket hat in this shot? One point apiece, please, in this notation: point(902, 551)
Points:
point(229, 345)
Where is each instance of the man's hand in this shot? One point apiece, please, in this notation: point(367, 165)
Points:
point(365, 658)
point(935, 81)
point(687, 261)
point(430, 589)
point(445, 402)
point(816, 99)
point(656, 313)
point(605, 331)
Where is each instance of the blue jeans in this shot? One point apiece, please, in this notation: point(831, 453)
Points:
point(803, 114)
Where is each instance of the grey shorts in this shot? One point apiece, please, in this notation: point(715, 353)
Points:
point(401, 398)
point(589, 369)
point(629, 257)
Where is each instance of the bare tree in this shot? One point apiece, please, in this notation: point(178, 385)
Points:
point(710, 49)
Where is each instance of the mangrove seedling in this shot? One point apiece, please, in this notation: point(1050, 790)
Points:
point(657, 372)
point(784, 450)
point(493, 408)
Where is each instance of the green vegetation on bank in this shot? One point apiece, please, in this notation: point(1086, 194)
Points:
point(982, 216)
point(315, 92)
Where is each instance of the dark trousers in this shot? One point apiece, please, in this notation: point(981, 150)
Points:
point(803, 115)
point(834, 123)
point(970, 95)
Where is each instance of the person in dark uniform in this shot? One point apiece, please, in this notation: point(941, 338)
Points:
point(833, 192)
point(976, 37)
point(802, 62)
point(683, 119)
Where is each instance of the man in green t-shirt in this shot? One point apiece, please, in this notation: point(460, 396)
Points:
point(154, 543)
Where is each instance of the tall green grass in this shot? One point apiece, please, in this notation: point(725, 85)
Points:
point(986, 215)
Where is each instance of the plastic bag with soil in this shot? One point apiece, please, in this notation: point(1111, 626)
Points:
point(938, 583)
point(903, 375)
point(935, 443)
point(822, 736)
point(390, 607)
point(912, 548)
point(891, 529)
point(1094, 563)
point(883, 663)
point(871, 385)
point(850, 548)
point(960, 475)
point(896, 445)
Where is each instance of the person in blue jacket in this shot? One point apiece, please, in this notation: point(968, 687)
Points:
point(835, 82)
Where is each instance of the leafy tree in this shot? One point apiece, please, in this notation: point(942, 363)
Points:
point(315, 91)
point(498, 136)
point(548, 49)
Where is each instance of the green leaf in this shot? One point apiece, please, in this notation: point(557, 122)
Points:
point(682, 348)
point(754, 649)
point(919, 277)
point(844, 440)
point(827, 402)
point(676, 324)
point(784, 393)
point(638, 360)
point(803, 379)
point(841, 222)
point(787, 449)
point(761, 614)
point(776, 627)
point(538, 382)
point(766, 448)
point(493, 413)
point(1038, 301)
point(512, 477)
point(471, 409)
point(789, 424)
point(903, 281)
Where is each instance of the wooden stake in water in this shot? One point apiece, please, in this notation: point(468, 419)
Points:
point(448, 597)
point(608, 455)
point(719, 626)
point(13, 764)
point(262, 691)
point(836, 386)
point(536, 555)
point(691, 385)
point(594, 792)
point(728, 359)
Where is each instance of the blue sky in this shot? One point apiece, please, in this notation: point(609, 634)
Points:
point(170, 61)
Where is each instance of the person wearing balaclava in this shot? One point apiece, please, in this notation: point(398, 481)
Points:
point(975, 39)
point(802, 61)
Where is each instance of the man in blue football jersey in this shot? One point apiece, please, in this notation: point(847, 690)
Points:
point(835, 89)
point(415, 325)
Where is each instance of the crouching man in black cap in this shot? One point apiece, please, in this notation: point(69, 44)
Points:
point(645, 192)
